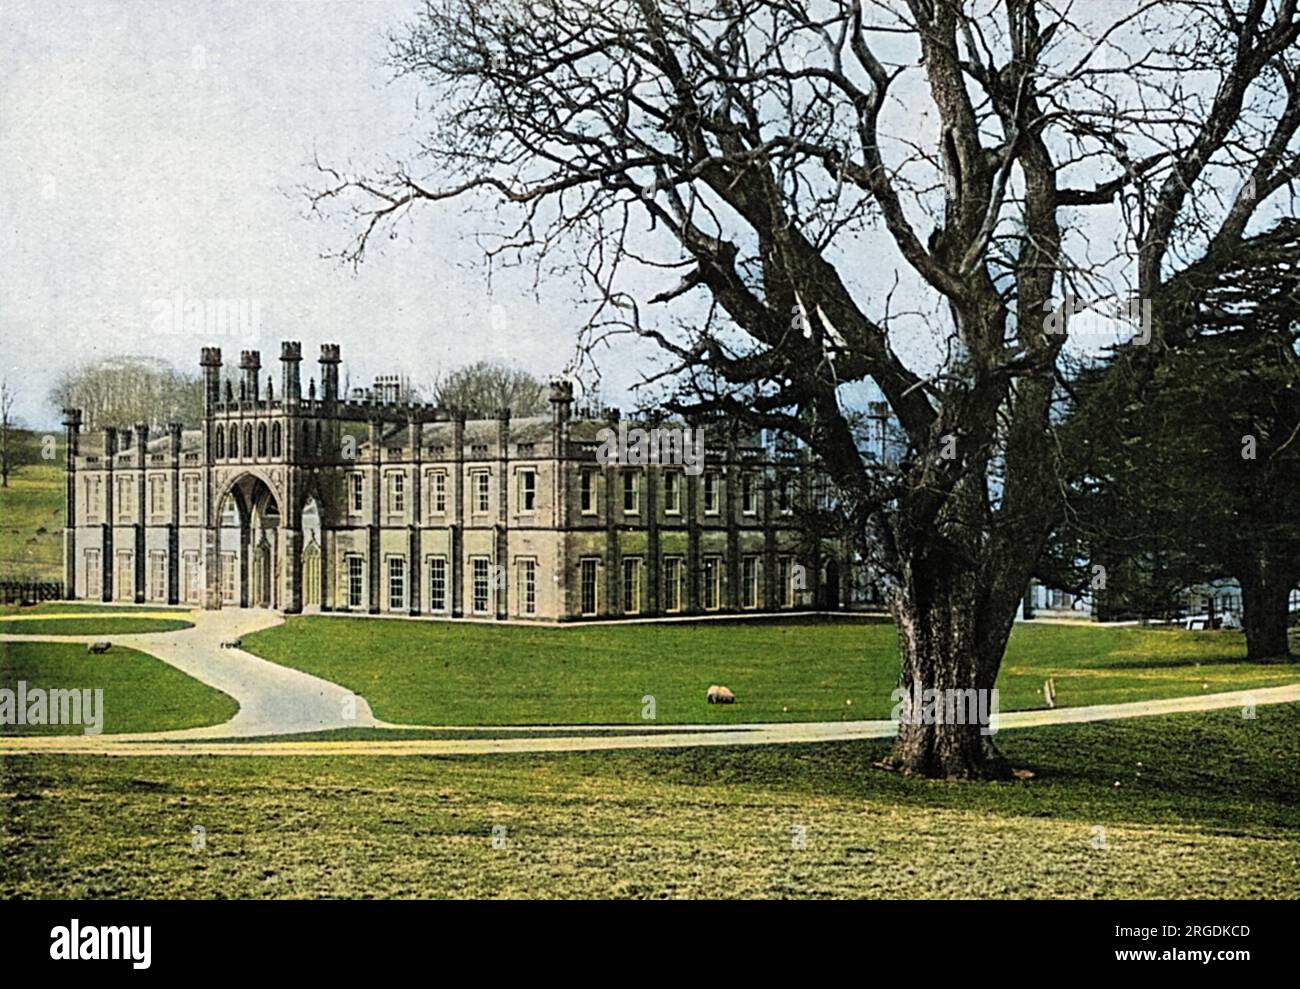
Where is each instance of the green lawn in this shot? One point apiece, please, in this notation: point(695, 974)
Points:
point(140, 692)
point(106, 627)
point(1186, 806)
point(440, 673)
point(31, 522)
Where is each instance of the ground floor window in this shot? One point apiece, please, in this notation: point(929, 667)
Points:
point(396, 583)
point(229, 578)
point(673, 584)
point(193, 585)
point(157, 576)
point(527, 587)
point(481, 584)
point(632, 586)
point(749, 582)
point(785, 581)
point(437, 583)
point(712, 583)
point(125, 576)
point(356, 581)
point(94, 576)
point(587, 586)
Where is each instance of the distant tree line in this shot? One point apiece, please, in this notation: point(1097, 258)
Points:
point(123, 391)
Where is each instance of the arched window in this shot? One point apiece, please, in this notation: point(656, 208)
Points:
point(234, 441)
point(319, 447)
point(248, 441)
point(275, 440)
point(261, 439)
point(221, 443)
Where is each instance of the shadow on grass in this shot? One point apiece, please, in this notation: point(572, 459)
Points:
point(1218, 772)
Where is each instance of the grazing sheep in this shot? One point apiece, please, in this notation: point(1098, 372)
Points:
point(99, 647)
point(232, 644)
point(720, 695)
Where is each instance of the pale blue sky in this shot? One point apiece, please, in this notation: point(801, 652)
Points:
point(146, 149)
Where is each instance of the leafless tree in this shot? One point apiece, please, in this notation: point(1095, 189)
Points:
point(126, 390)
point(486, 386)
point(760, 160)
point(8, 441)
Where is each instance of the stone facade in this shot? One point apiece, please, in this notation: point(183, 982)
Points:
point(316, 502)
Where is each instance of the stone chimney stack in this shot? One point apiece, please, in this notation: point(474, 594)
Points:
point(250, 364)
point(561, 400)
point(210, 361)
point(290, 364)
point(329, 372)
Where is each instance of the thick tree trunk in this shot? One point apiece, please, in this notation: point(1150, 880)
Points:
point(1264, 597)
point(951, 644)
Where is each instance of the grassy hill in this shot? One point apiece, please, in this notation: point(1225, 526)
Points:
point(31, 519)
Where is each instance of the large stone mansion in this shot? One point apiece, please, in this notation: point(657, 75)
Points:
point(368, 504)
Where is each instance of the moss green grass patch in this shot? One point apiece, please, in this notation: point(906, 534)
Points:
point(140, 693)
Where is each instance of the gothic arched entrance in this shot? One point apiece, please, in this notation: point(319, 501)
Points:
point(249, 557)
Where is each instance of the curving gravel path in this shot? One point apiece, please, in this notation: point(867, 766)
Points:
point(273, 699)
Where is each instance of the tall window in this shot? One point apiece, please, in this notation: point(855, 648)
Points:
point(480, 584)
point(192, 496)
point(437, 583)
point(261, 439)
point(673, 583)
point(786, 496)
point(124, 589)
point(94, 578)
point(190, 571)
point(631, 491)
point(356, 581)
point(587, 585)
point(234, 441)
point(785, 581)
point(748, 493)
point(588, 485)
point(631, 586)
point(276, 440)
point(711, 499)
point(157, 491)
point(482, 492)
point(396, 493)
point(248, 441)
point(438, 493)
point(749, 582)
point(396, 583)
point(712, 583)
point(229, 577)
point(672, 492)
point(356, 489)
point(220, 442)
point(528, 587)
point(527, 490)
point(157, 576)
point(124, 486)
